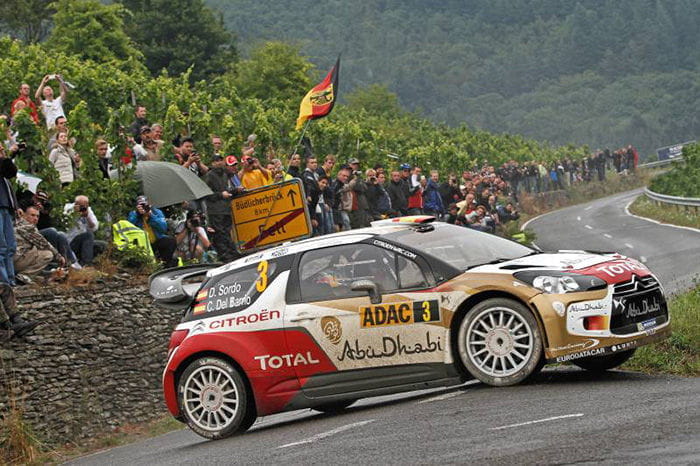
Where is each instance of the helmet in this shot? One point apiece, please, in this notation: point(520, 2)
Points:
point(405, 166)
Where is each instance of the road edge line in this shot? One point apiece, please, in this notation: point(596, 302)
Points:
point(627, 211)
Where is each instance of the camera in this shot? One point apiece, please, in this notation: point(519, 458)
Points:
point(82, 208)
point(21, 146)
point(196, 220)
point(145, 207)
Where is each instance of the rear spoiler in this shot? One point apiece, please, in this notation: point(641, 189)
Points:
point(175, 288)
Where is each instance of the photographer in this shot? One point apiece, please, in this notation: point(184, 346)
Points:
point(51, 107)
point(152, 221)
point(359, 213)
point(377, 197)
point(191, 237)
point(190, 159)
point(253, 174)
point(82, 233)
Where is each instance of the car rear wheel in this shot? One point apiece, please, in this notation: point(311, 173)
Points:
point(604, 363)
point(499, 342)
point(214, 399)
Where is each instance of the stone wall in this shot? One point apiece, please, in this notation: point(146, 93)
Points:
point(94, 363)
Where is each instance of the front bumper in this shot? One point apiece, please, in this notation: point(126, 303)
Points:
point(595, 323)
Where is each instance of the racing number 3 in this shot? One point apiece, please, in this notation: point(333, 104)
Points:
point(426, 311)
point(261, 282)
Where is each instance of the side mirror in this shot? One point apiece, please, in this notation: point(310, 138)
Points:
point(375, 297)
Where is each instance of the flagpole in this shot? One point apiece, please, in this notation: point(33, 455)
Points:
point(274, 199)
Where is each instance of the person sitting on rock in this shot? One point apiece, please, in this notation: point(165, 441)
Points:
point(34, 252)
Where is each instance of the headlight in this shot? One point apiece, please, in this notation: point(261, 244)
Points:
point(556, 282)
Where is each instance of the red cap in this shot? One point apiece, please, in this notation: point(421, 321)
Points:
point(231, 160)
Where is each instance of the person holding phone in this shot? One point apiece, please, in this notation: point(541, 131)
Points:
point(51, 107)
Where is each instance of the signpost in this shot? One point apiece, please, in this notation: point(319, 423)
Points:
point(270, 215)
point(672, 152)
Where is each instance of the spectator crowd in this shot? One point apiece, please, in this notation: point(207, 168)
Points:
point(340, 195)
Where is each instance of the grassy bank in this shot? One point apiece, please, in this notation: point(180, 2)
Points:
point(679, 354)
point(665, 213)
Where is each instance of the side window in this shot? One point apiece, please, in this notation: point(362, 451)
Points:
point(328, 273)
point(410, 275)
point(233, 291)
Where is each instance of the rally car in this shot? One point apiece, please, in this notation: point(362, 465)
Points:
point(406, 304)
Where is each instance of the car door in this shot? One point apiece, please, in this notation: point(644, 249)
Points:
point(372, 345)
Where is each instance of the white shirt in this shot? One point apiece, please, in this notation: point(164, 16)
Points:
point(52, 109)
point(82, 224)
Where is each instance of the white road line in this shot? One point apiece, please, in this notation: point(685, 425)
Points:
point(578, 218)
point(627, 211)
point(322, 435)
point(607, 235)
point(589, 227)
point(537, 421)
point(588, 208)
point(629, 245)
point(444, 396)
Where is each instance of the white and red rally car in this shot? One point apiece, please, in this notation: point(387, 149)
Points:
point(406, 304)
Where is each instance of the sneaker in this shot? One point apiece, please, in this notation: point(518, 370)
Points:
point(22, 327)
point(22, 279)
point(76, 266)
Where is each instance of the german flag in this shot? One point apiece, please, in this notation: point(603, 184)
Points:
point(319, 101)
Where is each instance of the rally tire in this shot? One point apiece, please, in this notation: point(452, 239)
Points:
point(604, 363)
point(499, 342)
point(214, 399)
point(334, 407)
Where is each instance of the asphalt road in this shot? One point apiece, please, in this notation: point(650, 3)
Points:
point(672, 253)
point(563, 416)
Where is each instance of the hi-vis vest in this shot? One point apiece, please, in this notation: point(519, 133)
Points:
point(126, 234)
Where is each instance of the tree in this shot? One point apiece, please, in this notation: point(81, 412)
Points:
point(28, 20)
point(178, 34)
point(374, 99)
point(92, 31)
point(275, 70)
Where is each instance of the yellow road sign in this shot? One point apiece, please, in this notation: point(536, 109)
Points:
point(270, 215)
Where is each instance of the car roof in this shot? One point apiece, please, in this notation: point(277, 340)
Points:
point(317, 242)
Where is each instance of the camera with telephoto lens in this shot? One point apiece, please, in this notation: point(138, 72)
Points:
point(196, 219)
point(82, 208)
point(144, 206)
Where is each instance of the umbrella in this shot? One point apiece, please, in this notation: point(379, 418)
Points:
point(166, 183)
point(30, 180)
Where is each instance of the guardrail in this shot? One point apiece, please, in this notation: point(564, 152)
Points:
point(675, 200)
point(659, 163)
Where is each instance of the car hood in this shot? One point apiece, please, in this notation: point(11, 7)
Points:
point(611, 267)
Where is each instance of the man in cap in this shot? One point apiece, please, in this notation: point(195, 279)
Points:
point(219, 204)
point(152, 221)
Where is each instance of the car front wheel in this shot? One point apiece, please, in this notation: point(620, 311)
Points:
point(499, 342)
point(215, 399)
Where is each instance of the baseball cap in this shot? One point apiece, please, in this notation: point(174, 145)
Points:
point(216, 158)
point(141, 200)
point(246, 158)
point(353, 160)
point(231, 160)
point(405, 166)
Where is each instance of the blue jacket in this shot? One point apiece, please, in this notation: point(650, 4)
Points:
point(432, 199)
point(156, 221)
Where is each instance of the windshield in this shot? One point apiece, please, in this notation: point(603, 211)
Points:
point(459, 246)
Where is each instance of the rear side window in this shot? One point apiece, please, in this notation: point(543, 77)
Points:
point(233, 291)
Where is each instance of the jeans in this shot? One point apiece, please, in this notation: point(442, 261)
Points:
point(8, 246)
point(59, 241)
point(83, 246)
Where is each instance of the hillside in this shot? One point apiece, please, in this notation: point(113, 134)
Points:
point(603, 73)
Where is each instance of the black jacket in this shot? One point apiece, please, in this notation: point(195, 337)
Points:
point(217, 180)
point(397, 194)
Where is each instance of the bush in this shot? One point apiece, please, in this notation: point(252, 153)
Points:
point(684, 177)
